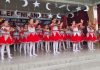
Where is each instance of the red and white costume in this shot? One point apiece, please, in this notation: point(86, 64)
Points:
point(16, 37)
point(21, 33)
point(68, 35)
point(33, 36)
point(6, 38)
point(76, 36)
point(46, 36)
point(55, 35)
point(90, 35)
point(62, 35)
point(40, 33)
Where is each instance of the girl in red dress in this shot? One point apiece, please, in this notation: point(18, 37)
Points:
point(26, 43)
point(21, 40)
point(55, 35)
point(39, 31)
point(16, 39)
point(68, 37)
point(33, 38)
point(82, 36)
point(62, 36)
point(75, 36)
point(6, 38)
point(46, 38)
point(90, 38)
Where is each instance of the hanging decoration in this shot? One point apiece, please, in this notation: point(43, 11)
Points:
point(67, 8)
point(87, 8)
point(50, 15)
point(47, 6)
point(36, 4)
point(62, 6)
point(72, 15)
point(58, 15)
point(15, 13)
point(78, 8)
point(7, 1)
point(25, 3)
point(25, 15)
point(39, 15)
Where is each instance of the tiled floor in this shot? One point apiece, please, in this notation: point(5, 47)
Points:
point(84, 60)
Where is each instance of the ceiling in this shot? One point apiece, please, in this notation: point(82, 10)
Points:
point(88, 2)
point(17, 5)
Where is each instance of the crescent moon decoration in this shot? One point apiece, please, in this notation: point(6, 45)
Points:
point(15, 13)
point(58, 15)
point(72, 15)
point(8, 1)
point(39, 15)
point(47, 6)
point(25, 3)
point(62, 6)
point(68, 8)
point(87, 8)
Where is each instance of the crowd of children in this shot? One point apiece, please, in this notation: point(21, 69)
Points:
point(51, 37)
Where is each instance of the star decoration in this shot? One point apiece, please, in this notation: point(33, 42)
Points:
point(8, 1)
point(78, 8)
point(50, 15)
point(36, 4)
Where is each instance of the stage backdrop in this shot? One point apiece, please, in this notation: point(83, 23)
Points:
point(78, 16)
point(98, 12)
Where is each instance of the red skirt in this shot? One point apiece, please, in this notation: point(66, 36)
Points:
point(23, 40)
point(46, 38)
point(68, 37)
point(40, 36)
point(9, 40)
point(2, 40)
point(16, 40)
point(75, 38)
point(33, 38)
point(91, 38)
point(55, 37)
point(63, 37)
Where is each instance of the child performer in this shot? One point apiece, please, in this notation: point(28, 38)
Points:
point(21, 40)
point(55, 35)
point(75, 36)
point(68, 37)
point(32, 37)
point(91, 38)
point(40, 34)
point(81, 34)
point(16, 39)
point(46, 38)
point(26, 43)
point(62, 36)
point(39, 31)
point(6, 39)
